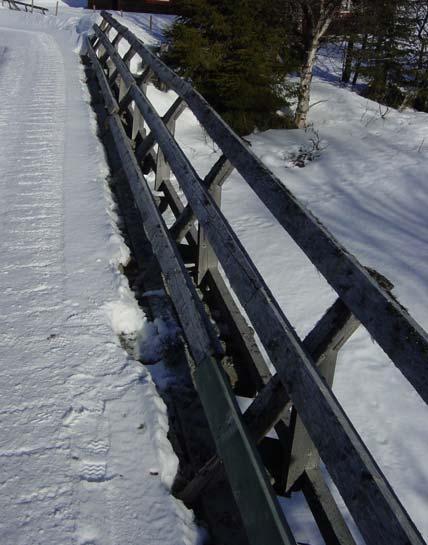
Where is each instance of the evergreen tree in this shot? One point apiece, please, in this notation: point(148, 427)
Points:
point(234, 54)
point(387, 45)
point(387, 52)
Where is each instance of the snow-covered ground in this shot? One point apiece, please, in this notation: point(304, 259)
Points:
point(67, 464)
point(83, 450)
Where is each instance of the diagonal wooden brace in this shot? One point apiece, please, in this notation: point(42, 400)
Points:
point(267, 408)
point(216, 176)
point(147, 144)
point(163, 171)
point(324, 349)
point(103, 58)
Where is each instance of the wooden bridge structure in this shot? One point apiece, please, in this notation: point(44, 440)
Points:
point(203, 261)
point(25, 6)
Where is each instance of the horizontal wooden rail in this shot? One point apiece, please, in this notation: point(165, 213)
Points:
point(14, 4)
point(378, 513)
point(205, 350)
point(405, 342)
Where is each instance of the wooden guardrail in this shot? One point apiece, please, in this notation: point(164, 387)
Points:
point(19, 6)
point(190, 252)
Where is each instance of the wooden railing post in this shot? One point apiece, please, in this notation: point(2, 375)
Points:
point(304, 455)
point(138, 125)
point(163, 171)
point(207, 259)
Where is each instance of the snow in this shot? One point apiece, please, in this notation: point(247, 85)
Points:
point(84, 453)
point(84, 450)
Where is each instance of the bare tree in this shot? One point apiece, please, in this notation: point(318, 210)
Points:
point(316, 18)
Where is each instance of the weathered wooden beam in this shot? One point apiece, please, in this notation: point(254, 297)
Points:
point(177, 207)
point(110, 101)
point(219, 173)
point(126, 59)
point(363, 487)
point(207, 258)
point(268, 406)
point(115, 42)
point(163, 171)
point(261, 513)
point(105, 27)
point(257, 369)
point(115, 58)
point(324, 342)
point(329, 519)
point(405, 342)
point(175, 110)
point(138, 125)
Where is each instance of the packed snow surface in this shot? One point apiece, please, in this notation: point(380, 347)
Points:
point(83, 430)
point(83, 450)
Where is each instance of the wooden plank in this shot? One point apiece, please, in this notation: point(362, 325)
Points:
point(207, 259)
point(326, 513)
point(267, 408)
point(115, 43)
point(248, 481)
point(115, 57)
point(175, 110)
point(217, 176)
point(405, 342)
point(105, 26)
point(177, 207)
point(258, 371)
point(163, 170)
point(324, 343)
point(221, 411)
point(110, 101)
point(138, 125)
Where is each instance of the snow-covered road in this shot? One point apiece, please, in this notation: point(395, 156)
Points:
point(83, 451)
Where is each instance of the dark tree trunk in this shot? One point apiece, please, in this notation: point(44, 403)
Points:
point(359, 59)
point(347, 65)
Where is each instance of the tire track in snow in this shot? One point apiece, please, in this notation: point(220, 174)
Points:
point(85, 476)
point(31, 195)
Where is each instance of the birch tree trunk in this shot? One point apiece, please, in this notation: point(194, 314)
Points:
point(305, 86)
point(315, 31)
